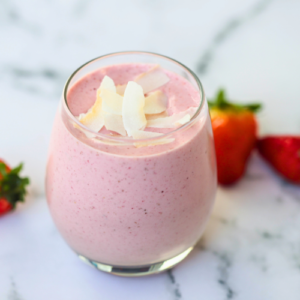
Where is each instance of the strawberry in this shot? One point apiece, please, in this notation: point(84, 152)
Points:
point(235, 128)
point(12, 187)
point(283, 153)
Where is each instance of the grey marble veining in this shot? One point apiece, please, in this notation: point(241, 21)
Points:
point(225, 32)
point(250, 249)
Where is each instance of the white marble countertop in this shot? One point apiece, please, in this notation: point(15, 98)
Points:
point(251, 247)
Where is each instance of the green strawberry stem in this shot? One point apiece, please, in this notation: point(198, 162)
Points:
point(12, 186)
point(220, 102)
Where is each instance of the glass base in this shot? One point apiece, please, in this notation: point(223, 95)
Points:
point(137, 271)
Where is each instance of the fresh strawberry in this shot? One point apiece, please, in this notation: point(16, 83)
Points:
point(283, 153)
point(234, 127)
point(12, 187)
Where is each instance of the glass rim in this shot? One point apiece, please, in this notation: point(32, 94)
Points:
point(129, 139)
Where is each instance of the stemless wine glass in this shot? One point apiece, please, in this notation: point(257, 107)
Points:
point(122, 206)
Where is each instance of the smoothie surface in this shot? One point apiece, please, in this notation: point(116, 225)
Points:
point(180, 93)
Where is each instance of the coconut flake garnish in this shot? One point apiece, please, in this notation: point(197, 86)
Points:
point(133, 108)
point(155, 103)
point(132, 113)
point(114, 123)
point(111, 102)
point(172, 121)
point(108, 84)
point(184, 120)
point(94, 118)
point(152, 79)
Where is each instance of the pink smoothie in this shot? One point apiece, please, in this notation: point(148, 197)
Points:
point(129, 206)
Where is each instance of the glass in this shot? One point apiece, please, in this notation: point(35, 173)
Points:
point(129, 210)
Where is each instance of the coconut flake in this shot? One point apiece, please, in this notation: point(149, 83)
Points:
point(94, 118)
point(108, 84)
point(170, 122)
point(133, 108)
point(111, 102)
point(114, 123)
point(184, 120)
point(121, 89)
point(155, 103)
point(152, 79)
point(139, 134)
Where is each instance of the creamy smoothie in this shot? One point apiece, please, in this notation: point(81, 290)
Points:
point(124, 205)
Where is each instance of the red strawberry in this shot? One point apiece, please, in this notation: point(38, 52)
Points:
point(283, 153)
point(234, 127)
point(5, 206)
point(12, 187)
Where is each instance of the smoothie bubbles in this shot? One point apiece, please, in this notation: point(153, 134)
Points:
point(131, 174)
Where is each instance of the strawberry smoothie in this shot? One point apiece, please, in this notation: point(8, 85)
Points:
point(123, 205)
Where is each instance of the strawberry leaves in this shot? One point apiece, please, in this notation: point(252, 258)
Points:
point(220, 102)
point(12, 186)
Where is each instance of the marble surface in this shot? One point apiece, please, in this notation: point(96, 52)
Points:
point(251, 247)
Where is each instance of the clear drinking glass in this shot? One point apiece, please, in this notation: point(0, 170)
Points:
point(130, 210)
